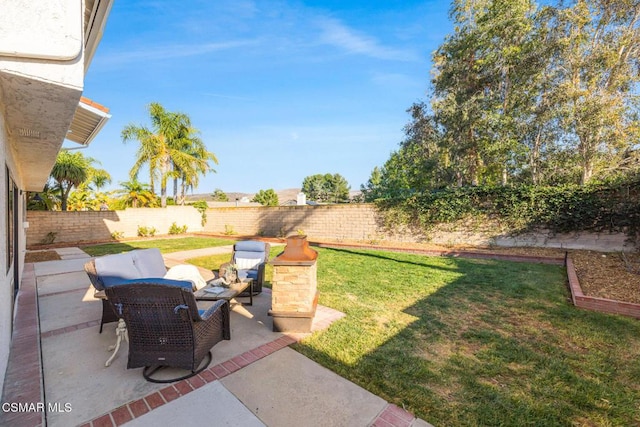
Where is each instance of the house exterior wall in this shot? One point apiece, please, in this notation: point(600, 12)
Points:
point(5, 282)
point(41, 81)
point(7, 272)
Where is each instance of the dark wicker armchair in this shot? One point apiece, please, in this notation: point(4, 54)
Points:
point(165, 327)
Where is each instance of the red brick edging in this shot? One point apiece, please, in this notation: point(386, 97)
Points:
point(393, 416)
point(603, 305)
point(23, 382)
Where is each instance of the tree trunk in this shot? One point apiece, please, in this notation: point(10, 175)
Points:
point(175, 190)
point(535, 154)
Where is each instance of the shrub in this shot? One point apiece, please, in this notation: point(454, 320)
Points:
point(175, 229)
point(612, 206)
point(117, 235)
point(228, 230)
point(49, 238)
point(201, 206)
point(146, 231)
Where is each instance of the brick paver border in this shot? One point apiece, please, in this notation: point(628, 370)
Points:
point(139, 407)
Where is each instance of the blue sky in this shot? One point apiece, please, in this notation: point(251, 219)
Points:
point(278, 89)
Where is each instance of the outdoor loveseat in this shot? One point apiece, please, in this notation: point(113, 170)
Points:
point(113, 269)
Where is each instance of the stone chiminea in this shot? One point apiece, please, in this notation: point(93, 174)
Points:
point(294, 294)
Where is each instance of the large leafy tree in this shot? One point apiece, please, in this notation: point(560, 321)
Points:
point(72, 170)
point(219, 196)
point(170, 149)
point(266, 197)
point(596, 65)
point(326, 188)
point(520, 94)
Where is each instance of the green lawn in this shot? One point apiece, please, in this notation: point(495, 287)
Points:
point(475, 342)
point(165, 245)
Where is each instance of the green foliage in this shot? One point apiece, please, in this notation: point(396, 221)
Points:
point(117, 235)
point(136, 194)
point(613, 206)
point(49, 238)
point(326, 188)
point(524, 94)
point(171, 149)
point(146, 231)
point(176, 229)
point(201, 206)
point(219, 196)
point(229, 230)
point(74, 170)
point(266, 197)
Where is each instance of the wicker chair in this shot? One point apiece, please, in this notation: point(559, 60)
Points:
point(108, 315)
point(165, 327)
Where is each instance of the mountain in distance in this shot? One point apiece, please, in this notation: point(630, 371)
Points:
point(283, 195)
point(288, 194)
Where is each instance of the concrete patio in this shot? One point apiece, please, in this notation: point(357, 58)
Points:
point(253, 379)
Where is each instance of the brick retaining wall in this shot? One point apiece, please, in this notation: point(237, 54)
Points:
point(348, 222)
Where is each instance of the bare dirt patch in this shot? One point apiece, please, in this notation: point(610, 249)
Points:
point(609, 275)
point(39, 256)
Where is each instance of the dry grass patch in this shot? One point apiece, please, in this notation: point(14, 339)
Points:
point(40, 256)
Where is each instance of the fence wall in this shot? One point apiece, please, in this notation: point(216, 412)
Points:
point(349, 222)
point(98, 225)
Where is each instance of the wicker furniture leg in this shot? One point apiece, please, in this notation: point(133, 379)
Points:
point(121, 333)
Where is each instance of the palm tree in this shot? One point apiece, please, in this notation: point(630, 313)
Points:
point(191, 163)
point(72, 170)
point(165, 148)
point(136, 194)
point(45, 200)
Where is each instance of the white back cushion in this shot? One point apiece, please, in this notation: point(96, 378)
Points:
point(116, 268)
point(149, 262)
point(247, 263)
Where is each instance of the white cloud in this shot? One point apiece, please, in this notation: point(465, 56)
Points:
point(169, 51)
point(337, 34)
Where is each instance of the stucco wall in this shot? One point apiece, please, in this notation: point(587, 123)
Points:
point(7, 283)
point(5, 286)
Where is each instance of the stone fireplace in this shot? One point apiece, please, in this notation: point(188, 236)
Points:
point(294, 287)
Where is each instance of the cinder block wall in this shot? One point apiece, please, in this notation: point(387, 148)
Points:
point(98, 225)
point(348, 222)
